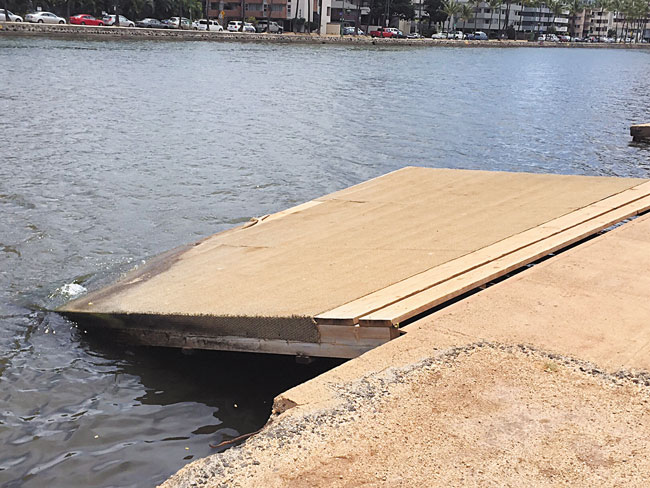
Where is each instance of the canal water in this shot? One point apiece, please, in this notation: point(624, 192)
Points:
point(112, 152)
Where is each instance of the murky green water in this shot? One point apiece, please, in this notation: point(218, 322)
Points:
point(115, 151)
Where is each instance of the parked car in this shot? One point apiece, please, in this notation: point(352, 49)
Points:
point(456, 35)
point(470, 36)
point(12, 17)
point(44, 18)
point(565, 38)
point(350, 31)
point(248, 27)
point(480, 36)
point(151, 23)
point(234, 26)
point(271, 27)
point(85, 19)
point(414, 35)
point(439, 35)
point(174, 23)
point(124, 22)
point(385, 32)
point(202, 24)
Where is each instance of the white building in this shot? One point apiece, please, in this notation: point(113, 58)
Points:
point(522, 19)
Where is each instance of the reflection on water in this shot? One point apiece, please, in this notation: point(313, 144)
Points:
point(116, 151)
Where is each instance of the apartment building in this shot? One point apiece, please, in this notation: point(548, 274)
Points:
point(523, 19)
point(284, 12)
point(599, 23)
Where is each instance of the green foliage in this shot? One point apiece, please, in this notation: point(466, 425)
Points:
point(398, 8)
point(434, 10)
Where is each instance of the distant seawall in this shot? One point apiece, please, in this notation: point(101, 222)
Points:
point(90, 32)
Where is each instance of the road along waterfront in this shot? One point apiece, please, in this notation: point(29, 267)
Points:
point(116, 151)
point(75, 31)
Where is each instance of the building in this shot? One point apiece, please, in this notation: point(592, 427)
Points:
point(291, 14)
point(524, 20)
point(601, 23)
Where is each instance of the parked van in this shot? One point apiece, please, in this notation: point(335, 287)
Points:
point(202, 24)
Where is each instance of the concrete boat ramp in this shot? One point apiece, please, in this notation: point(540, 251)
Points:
point(337, 276)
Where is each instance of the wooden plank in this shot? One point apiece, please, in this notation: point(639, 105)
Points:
point(431, 297)
point(355, 335)
point(238, 344)
point(349, 313)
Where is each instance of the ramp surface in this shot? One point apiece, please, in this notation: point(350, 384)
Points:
point(283, 280)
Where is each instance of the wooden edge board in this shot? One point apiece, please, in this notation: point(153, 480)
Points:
point(240, 344)
point(337, 334)
point(432, 297)
point(350, 313)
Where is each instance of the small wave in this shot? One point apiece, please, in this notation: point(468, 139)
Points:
point(72, 290)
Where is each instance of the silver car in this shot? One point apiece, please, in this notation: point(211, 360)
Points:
point(12, 17)
point(124, 22)
point(44, 18)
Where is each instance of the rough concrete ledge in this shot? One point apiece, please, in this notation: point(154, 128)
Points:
point(92, 32)
point(485, 413)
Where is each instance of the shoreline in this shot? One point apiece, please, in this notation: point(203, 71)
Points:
point(18, 29)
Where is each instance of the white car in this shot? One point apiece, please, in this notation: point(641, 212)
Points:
point(203, 25)
point(124, 22)
point(12, 17)
point(44, 18)
point(439, 35)
point(234, 26)
point(248, 27)
point(456, 35)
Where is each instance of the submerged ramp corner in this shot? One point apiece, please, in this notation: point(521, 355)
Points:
point(337, 275)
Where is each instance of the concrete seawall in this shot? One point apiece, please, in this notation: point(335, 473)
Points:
point(76, 31)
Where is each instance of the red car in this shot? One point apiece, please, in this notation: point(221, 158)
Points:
point(85, 19)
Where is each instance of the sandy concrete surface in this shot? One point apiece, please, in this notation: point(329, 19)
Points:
point(479, 415)
point(539, 380)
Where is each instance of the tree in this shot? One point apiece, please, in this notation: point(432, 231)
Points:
point(475, 4)
point(434, 10)
point(451, 9)
point(556, 7)
point(465, 13)
point(494, 5)
point(616, 6)
point(575, 7)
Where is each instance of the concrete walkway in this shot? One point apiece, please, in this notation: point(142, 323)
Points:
point(538, 380)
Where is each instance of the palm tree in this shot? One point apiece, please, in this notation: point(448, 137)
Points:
point(538, 4)
point(556, 7)
point(523, 4)
point(495, 4)
point(575, 7)
point(451, 9)
point(465, 13)
point(476, 4)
